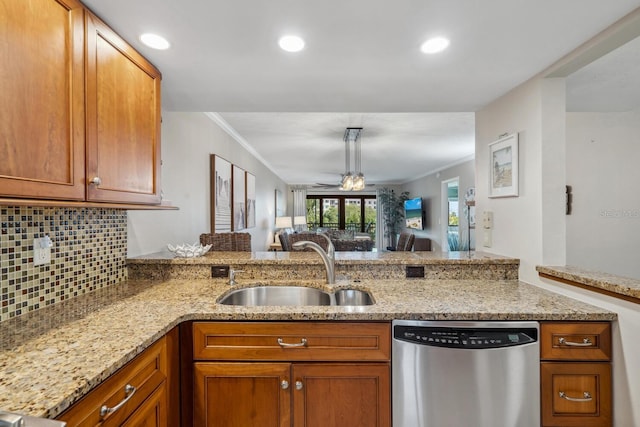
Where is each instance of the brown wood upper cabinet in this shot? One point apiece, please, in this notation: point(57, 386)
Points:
point(123, 120)
point(79, 111)
point(42, 112)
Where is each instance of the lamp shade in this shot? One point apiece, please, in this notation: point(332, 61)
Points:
point(283, 222)
point(300, 220)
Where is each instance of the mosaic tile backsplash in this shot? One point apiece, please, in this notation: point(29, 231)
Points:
point(89, 252)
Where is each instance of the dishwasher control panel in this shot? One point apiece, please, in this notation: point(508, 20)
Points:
point(467, 338)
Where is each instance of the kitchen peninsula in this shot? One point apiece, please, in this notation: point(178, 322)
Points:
point(351, 265)
point(51, 358)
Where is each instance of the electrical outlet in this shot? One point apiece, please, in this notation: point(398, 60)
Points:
point(414, 271)
point(219, 271)
point(42, 251)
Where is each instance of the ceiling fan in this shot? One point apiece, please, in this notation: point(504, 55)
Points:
point(350, 181)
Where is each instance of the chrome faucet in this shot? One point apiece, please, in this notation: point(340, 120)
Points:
point(232, 276)
point(329, 257)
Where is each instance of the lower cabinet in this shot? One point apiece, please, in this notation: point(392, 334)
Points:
point(139, 394)
point(576, 374)
point(290, 374)
point(341, 395)
point(152, 412)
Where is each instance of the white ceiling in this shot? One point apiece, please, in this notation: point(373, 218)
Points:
point(361, 67)
point(608, 84)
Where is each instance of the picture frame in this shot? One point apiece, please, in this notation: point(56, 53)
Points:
point(503, 167)
point(221, 196)
point(250, 181)
point(279, 204)
point(238, 206)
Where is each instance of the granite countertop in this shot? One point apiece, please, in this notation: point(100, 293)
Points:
point(420, 257)
point(610, 284)
point(49, 362)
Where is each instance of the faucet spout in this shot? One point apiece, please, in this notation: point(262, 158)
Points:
point(328, 257)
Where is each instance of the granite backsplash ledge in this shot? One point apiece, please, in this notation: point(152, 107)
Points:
point(309, 266)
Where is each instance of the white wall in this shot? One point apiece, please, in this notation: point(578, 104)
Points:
point(530, 227)
point(603, 152)
point(188, 139)
point(430, 189)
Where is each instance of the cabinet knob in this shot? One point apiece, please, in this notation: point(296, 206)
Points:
point(298, 385)
point(284, 384)
point(96, 180)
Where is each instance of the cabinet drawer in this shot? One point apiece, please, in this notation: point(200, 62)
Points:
point(291, 341)
point(575, 341)
point(146, 372)
point(576, 394)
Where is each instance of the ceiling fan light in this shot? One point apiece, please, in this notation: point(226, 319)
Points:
point(358, 182)
point(347, 182)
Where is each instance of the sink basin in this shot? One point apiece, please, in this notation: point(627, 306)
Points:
point(277, 295)
point(353, 297)
point(295, 295)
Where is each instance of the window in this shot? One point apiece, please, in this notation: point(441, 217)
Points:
point(339, 212)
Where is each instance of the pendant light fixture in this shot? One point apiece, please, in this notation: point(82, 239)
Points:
point(352, 181)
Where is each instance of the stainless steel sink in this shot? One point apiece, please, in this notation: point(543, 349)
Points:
point(353, 297)
point(277, 295)
point(295, 295)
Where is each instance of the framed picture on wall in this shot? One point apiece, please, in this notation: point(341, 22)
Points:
point(238, 210)
point(503, 168)
point(279, 204)
point(251, 199)
point(220, 195)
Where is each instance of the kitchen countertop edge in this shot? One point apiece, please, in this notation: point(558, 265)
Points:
point(67, 362)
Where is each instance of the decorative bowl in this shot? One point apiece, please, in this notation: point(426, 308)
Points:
point(189, 251)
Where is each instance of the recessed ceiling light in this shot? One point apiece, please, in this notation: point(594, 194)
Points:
point(291, 43)
point(434, 45)
point(154, 41)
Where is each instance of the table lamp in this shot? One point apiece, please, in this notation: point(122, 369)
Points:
point(282, 223)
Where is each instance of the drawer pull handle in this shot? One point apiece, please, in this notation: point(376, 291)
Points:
point(129, 391)
point(585, 343)
point(587, 397)
point(284, 384)
point(302, 343)
point(298, 385)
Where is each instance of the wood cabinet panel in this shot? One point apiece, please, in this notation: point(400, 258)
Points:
point(299, 341)
point(242, 394)
point(146, 372)
point(576, 394)
point(42, 112)
point(337, 395)
point(291, 386)
point(575, 391)
point(152, 412)
point(575, 341)
point(123, 119)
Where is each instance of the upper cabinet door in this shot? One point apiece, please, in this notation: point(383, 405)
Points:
point(123, 120)
point(42, 99)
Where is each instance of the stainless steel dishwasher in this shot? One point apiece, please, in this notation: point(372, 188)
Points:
point(463, 374)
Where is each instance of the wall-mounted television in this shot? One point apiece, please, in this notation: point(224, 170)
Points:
point(413, 213)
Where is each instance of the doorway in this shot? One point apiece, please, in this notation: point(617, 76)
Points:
point(450, 218)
